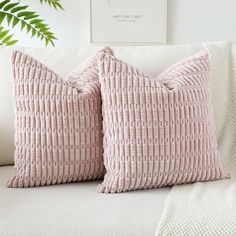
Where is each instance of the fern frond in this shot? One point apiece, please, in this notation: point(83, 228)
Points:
point(54, 3)
point(16, 14)
point(6, 38)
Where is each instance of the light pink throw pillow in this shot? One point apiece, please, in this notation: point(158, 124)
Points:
point(157, 131)
point(58, 123)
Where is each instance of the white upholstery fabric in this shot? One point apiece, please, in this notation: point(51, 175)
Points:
point(77, 210)
point(150, 59)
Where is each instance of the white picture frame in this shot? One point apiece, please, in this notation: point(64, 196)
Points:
point(141, 22)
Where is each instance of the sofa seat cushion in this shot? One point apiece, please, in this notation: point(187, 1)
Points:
point(77, 209)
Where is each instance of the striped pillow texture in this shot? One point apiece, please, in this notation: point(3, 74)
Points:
point(157, 131)
point(58, 123)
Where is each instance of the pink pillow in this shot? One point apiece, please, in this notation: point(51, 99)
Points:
point(157, 131)
point(58, 123)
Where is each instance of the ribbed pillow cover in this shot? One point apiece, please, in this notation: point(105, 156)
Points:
point(58, 123)
point(157, 131)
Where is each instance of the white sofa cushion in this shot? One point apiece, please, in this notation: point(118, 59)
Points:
point(77, 210)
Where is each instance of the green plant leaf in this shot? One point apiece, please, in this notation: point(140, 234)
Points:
point(3, 34)
point(5, 38)
point(10, 6)
point(16, 9)
point(2, 16)
point(2, 4)
point(15, 21)
point(10, 43)
point(30, 17)
point(33, 33)
point(16, 14)
point(23, 24)
point(9, 18)
point(25, 13)
point(36, 21)
point(28, 28)
point(56, 4)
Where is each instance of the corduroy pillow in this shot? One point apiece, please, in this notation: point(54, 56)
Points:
point(157, 131)
point(58, 123)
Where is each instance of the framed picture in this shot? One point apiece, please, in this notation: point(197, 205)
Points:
point(128, 21)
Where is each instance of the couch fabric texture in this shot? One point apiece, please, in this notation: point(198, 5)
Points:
point(76, 209)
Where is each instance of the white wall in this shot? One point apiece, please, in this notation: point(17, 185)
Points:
point(201, 20)
point(188, 21)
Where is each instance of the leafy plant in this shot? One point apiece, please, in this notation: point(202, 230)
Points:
point(16, 14)
point(54, 3)
point(5, 38)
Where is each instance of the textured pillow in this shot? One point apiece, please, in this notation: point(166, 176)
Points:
point(58, 123)
point(157, 131)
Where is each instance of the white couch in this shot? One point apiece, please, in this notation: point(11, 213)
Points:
point(76, 209)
